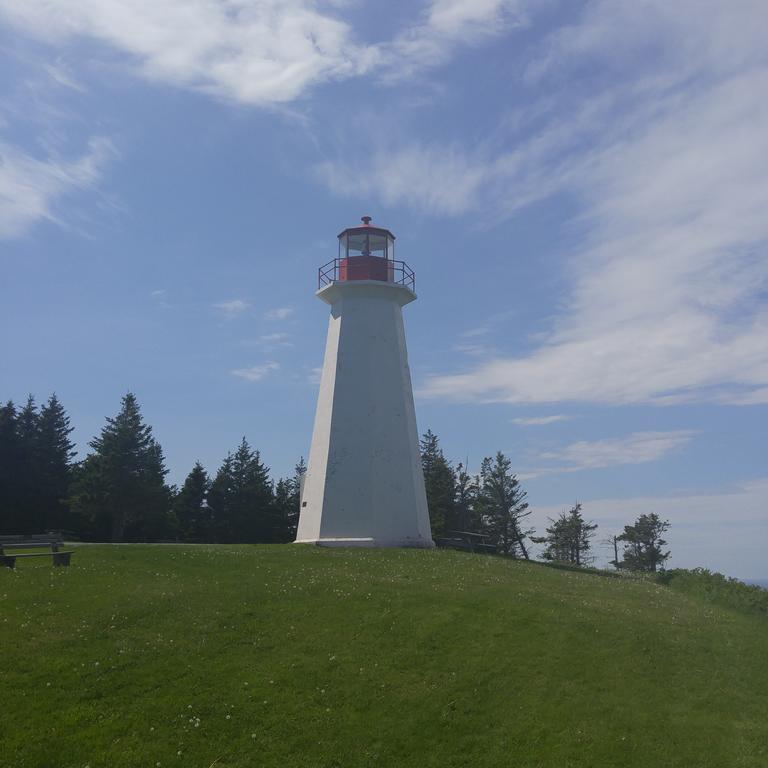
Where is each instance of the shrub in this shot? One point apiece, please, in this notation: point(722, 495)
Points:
point(723, 590)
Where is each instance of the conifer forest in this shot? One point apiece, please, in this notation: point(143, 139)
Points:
point(119, 493)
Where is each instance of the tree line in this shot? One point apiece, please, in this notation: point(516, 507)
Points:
point(493, 504)
point(118, 492)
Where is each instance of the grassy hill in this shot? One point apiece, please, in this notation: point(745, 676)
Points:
point(297, 656)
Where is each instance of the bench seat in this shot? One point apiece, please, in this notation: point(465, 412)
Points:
point(52, 542)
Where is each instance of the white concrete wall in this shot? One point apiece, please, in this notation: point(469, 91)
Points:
point(364, 485)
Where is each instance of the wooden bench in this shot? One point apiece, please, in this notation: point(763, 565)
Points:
point(50, 541)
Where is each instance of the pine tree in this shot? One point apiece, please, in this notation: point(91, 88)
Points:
point(644, 548)
point(11, 518)
point(120, 487)
point(190, 506)
point(241, 499)
point(35, 466)
point(502, 506)
point(568, 538)
point(465, 497)
point(287, 503)
point(29, 501)
point(283, 503)
point(219, 500)
point(439, 482)
point(55, 454)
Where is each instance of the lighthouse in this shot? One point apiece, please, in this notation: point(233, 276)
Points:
point(364, 484)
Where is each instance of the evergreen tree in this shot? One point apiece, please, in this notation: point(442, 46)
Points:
point(439, 482)
point(29, 502)
point(287, 503)
point(502, 506)
point(465, 496)
point(190, 507)
point(120, 487)
point(644, 548)
point(242, 499)
point(55, 454)
point(11, 518)
point(568, 538)
point(35, 466)
point(219, 500)
point(282, 510)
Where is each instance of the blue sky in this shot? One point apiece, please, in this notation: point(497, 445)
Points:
point(580, 187)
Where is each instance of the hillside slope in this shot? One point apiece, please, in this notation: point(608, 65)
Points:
point(296, 656)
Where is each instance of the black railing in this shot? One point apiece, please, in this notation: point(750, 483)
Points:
point(366, 268)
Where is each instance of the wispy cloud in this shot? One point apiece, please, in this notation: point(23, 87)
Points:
point(160, 297)
point(256, 372)
point(232, 307)
point(279, 313)
point(32, 189)
point(270, 341)
point(264, 52)
point(274, 338)
point(438, 179)
point(534, 421)
point(445, 25)
point(482, 330)
point(637, 448)
point(61, 74)
point(667, 302)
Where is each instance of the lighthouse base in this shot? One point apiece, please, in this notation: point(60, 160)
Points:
point(369, 542)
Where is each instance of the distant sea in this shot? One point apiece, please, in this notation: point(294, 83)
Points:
point(757, 582)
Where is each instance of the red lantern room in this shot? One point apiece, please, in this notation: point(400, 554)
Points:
point(366, 252)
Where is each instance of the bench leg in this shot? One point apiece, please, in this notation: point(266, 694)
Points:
point(8, 560)
point(61, 558)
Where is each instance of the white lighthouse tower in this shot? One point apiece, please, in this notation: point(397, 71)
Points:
point(364, 484)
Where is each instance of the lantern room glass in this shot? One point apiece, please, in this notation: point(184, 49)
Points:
point(372, 243)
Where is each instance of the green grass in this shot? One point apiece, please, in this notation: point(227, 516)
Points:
point(296, 656)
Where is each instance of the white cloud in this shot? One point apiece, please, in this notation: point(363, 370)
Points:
point(271, 341)
point(637, 448)
point(232, 307)
point(255, 372)
point(472, 348)
point(436, 179)
point(60, 74)
point(261, 52)
point(279, 313)
point(755, 397)
point(685, 37)
point(667, 299)
point(724, 531)
point(160, 297)
point(31, 188)
point(272, 338)
point(472, 333)
point(534, 421)
point(445, 25)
